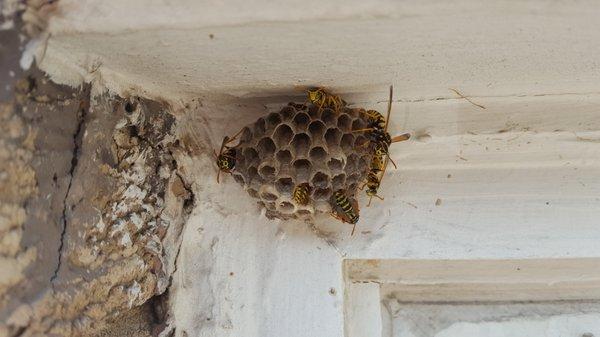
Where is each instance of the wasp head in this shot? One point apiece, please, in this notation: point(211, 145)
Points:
point(371, 192)
point(223, 163)
point(226, 160)
point(314, 95)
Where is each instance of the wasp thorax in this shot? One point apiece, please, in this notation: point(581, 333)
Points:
point(292, 161)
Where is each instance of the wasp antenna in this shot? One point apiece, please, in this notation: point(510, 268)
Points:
point(218, 174)
point(235, 136)
point(225, 139)
point(370, 199)
point(353, 228)
point(389, 110)
point(366, 143)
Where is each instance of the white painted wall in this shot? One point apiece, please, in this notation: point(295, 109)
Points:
point(516, 180)
point(517, 320)
point(265, 48)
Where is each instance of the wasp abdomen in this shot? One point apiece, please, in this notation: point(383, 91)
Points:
point(348, 212)
point(375, 119)
point(300, 194)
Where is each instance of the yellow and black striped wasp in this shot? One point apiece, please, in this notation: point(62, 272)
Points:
point(344, 210)
point(374, 177)
point(226, 157)
point(301, 194)
point(322, 98)
point(374, 119)
point(381, 140)
point(376, 130)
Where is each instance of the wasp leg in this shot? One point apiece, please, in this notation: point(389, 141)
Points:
point(371, 199)
point(321, 105)
point(339, 104)
point(363, 145)
point(218, 170)
point(390, 158)
point(334, 104)
point(225, 171)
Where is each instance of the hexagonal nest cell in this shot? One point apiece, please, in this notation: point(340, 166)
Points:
point(302, 145)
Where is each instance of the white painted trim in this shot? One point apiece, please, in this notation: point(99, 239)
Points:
point(362, 310)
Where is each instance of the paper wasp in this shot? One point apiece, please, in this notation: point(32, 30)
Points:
point(324, 99)
point(344, 210)
point(226, 157)
point(381, 140)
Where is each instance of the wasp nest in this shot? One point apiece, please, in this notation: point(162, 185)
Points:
point(302, 145)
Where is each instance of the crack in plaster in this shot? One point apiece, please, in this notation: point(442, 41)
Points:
point(77, 142)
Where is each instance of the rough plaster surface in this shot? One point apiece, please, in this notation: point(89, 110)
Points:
point(18, 184)
point(92, 208)
point(33, 194)
point(137, 322)
point(10, 70)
